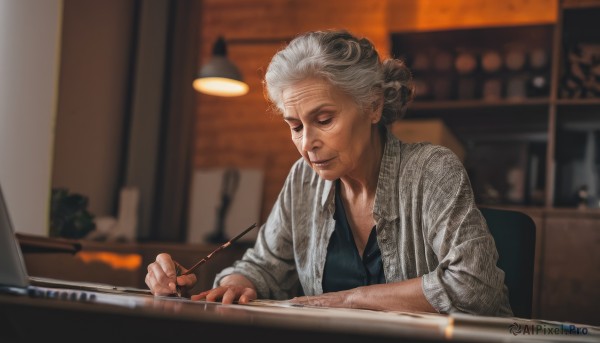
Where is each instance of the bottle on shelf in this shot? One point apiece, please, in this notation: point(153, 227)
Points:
point(491, 63)
point(466, 65)
point(443, 81)
point(516, 84)
point(421, 69)
point(538, 84)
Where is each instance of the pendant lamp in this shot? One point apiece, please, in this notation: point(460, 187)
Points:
point(220, 76)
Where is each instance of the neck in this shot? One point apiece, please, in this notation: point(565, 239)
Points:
point(363, 181)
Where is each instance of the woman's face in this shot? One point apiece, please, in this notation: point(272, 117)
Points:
point(329, 129)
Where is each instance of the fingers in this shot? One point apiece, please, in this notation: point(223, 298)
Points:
point(300, 300)
point(158, 282)
point(227, 295)
point(307, 300)
point(161, 275)
point(167, 264)
point(199, 296)
point(248, 295)
point(187, 280)
point(216, 293)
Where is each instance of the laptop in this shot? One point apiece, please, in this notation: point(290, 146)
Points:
point(14, 278)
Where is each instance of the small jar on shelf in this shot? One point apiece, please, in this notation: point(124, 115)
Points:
point(538, 84)
point(491, 63)
point(465, 65)
point(516, 89)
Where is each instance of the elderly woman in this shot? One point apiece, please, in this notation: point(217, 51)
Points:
point(363, 220)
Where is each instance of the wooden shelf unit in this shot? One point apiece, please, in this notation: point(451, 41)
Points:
point(532, 125)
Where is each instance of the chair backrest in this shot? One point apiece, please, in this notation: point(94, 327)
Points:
point(514, 234)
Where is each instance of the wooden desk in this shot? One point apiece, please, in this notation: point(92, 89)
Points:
point(135, 318)
point(566, 268)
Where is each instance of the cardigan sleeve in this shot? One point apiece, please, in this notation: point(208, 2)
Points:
point(466, 278)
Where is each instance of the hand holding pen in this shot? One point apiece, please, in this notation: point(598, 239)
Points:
point(160, 283)
point(179, 270)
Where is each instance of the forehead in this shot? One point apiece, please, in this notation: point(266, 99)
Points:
point(310, 91)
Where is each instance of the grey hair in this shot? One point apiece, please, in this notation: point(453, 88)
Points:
point(347, 62)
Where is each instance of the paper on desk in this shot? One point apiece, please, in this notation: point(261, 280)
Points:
point(88, 286)
point(418, 319)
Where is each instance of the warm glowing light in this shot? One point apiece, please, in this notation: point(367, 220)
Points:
point(130, 262)
point(449, 330)
point(220, 86)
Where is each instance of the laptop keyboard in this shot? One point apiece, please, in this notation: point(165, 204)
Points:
point(60, 294)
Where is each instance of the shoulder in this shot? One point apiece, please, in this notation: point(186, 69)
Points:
point(414, 162)
point(414, 152)
point(431, 170)
point(429, 157)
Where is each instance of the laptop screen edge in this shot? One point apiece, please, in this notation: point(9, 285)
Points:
point(12, 264)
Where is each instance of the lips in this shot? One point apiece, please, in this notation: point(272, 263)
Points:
point(320, 163)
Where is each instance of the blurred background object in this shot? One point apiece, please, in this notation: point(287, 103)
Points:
point(223, 202)
point(428, 130)
point(69, 215)
point(466, 68)
point(582, 76)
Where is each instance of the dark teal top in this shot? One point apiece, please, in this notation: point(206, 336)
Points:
point(344, 268)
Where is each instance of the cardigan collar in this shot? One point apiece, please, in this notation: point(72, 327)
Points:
point(386, 196)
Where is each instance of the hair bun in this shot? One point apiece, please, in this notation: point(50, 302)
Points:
point(398, 89)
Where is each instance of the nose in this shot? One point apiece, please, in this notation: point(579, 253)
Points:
point(310, 139)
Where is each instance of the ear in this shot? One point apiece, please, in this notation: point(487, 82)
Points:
point(376, 110)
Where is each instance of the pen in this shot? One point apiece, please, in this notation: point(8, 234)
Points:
point(209, 256)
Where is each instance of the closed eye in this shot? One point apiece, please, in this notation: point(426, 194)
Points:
point(324, 122)
point(297, 128)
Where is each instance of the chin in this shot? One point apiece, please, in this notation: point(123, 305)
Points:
point(328, 175)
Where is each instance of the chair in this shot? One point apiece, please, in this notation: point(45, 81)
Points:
point(514, 234)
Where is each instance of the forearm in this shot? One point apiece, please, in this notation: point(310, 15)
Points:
point(398, 296)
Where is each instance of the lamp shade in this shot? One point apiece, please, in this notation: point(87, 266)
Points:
point(220, 76)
